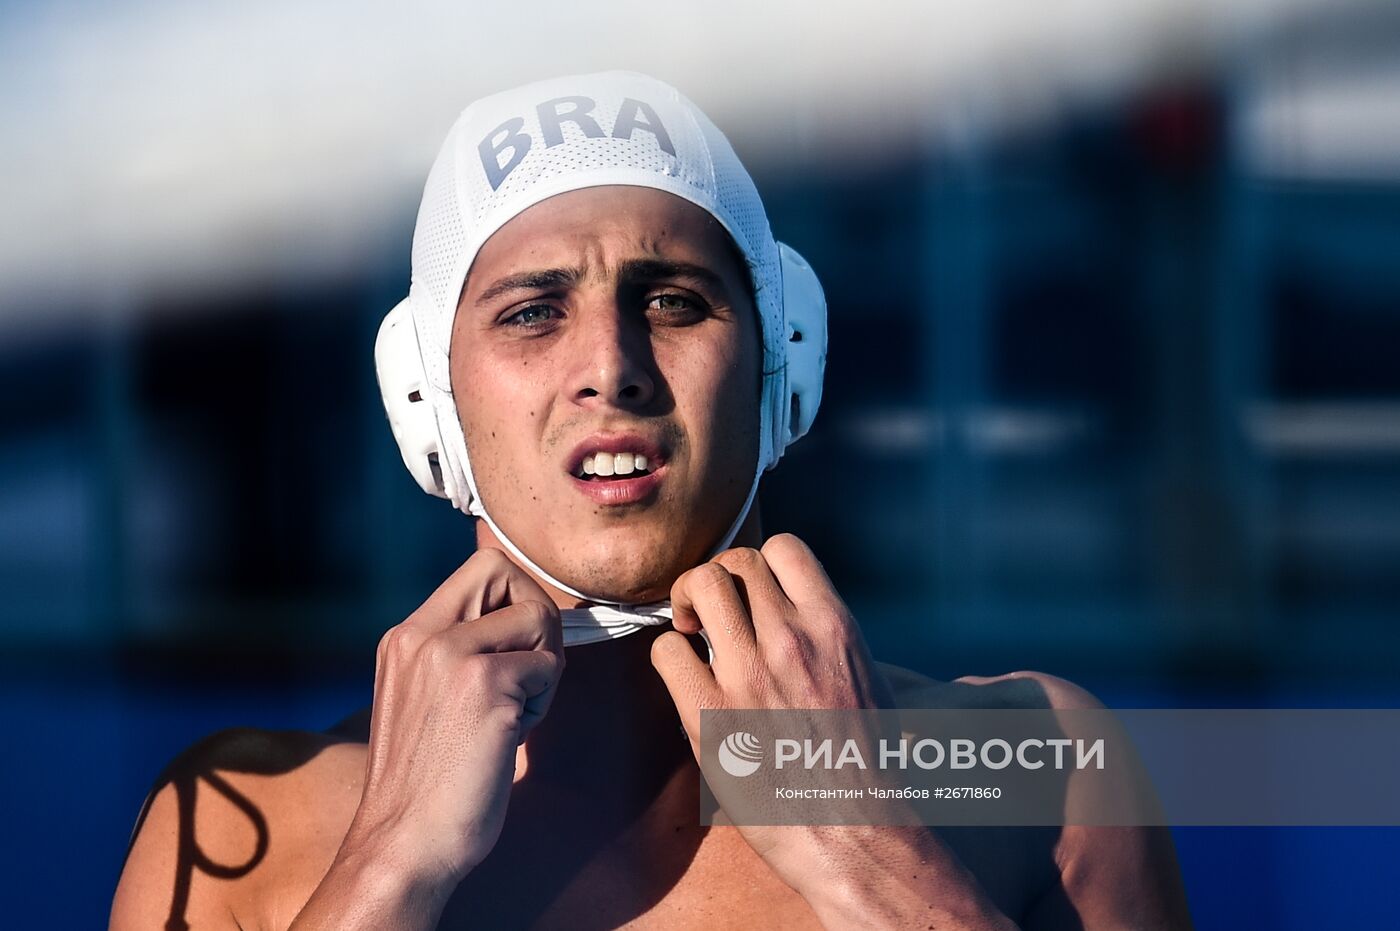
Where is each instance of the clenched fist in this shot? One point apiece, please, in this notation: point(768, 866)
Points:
point(457, 687)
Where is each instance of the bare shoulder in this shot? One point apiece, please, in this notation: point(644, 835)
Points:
point(1108, 877)
point(234, 824)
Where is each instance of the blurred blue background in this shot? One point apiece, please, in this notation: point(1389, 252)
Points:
point(1113, 393)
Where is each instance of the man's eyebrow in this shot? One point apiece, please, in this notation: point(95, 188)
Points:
point(537, 280)
point(654, 269)
point(630, 270)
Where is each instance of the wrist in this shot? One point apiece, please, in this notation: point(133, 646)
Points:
point(393, 876)
point(897, 877)
point(358, 893)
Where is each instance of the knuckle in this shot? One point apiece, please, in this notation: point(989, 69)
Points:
point(542, 621)
point(504, 572)
point(486, 569)
point(437, 653)
point(537, 614)
point(393, 644)
point(784, 544)
point(501, 715)
point(782, 645)
point(488, 558)
point(554, 665)
point(475, 671)
point(709, 576)
point(740, 559)
point(828, 619)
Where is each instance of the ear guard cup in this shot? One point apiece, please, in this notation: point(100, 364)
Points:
point(403, 386)
point(804, 313)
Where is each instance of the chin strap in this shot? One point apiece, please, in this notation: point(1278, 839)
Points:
point(597, 623)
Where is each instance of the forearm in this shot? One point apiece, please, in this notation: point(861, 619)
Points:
point(364, 892)
point(896, 877)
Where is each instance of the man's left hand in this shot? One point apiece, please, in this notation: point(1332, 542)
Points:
point(783, 639)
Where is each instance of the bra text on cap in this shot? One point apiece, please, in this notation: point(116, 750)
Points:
point(553, 114)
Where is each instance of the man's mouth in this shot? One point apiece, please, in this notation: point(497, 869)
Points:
point(603, 467)
point(617, 468)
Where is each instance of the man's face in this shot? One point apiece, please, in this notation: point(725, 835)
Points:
point(599, 325)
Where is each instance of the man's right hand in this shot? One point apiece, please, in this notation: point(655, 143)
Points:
point(457, 687)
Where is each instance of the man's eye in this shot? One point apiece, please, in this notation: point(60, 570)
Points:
point(673, 305)
point(535, 315)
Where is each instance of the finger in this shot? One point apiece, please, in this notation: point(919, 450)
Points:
point(503, 583)
point(531, 677)
point(757, 586)
point(706, 597)
point(823, 616)
point(526, 674)
point(796, 568)
point(527, 625)
point(688, 679)
point(485, 582)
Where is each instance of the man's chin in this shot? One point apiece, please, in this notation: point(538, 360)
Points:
point(605, 583)
point(627, 593)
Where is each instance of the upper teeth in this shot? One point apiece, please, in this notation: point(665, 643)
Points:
point(614, 464)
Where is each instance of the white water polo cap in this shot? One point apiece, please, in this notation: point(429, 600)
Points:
point(508, 152)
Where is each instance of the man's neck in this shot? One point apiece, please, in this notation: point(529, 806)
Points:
point(612, 730)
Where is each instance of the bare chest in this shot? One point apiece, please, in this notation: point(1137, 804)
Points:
point(555, 868)
point(717, 883)
point(660, 870)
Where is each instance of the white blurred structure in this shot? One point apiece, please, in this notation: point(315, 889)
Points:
point(1323, 102)
point(155, 147)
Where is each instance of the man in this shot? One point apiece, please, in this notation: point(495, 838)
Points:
point(600, 316)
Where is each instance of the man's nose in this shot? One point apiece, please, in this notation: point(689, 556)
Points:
point(613, 359)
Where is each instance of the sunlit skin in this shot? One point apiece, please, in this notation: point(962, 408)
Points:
point(638, 321)
point(493, 783)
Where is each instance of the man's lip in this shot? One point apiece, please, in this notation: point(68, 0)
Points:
point(616, 443)
point(619, 491)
